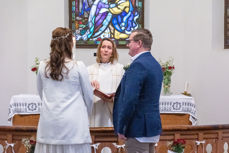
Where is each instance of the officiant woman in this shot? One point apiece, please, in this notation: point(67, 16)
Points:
point(66, 94)
point(105, 75)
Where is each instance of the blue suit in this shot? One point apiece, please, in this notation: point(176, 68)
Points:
point(136, 104)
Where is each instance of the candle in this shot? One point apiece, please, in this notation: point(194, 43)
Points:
point(186, 87)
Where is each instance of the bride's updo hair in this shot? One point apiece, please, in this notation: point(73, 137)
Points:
point(61, 48)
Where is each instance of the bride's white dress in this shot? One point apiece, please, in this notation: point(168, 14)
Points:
point(63, 126)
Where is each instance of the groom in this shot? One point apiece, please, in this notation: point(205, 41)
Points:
point(136, 105)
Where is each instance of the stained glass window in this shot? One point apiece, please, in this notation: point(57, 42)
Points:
point(92, 20)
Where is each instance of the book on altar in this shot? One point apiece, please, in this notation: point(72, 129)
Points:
point(105, 96)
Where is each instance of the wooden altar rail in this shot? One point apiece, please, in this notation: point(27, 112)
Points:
point(199, 139)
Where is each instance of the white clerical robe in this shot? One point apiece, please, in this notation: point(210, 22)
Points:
point(109, 76)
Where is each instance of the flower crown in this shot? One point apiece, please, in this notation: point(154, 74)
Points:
point(61, 37)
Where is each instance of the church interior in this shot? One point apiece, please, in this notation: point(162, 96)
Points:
point(190, 32)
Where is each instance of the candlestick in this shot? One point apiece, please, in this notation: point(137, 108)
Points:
point(186, 89)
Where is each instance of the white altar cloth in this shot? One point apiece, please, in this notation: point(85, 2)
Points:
point(179, 104)
point(174, 104)
point(24, 104)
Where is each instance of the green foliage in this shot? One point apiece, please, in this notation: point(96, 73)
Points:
point(167, 69)
point(36, 65)
point(178, 146)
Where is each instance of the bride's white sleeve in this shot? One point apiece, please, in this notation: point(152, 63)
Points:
point(87, 90)
point(39, 82)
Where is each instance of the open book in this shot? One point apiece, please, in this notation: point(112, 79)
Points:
point(108, 97)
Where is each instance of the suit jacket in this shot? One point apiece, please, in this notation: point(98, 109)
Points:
point(136, 104)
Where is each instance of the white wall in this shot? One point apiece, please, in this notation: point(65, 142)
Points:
point(43, 17)
point(13, 49)
point(190, 31)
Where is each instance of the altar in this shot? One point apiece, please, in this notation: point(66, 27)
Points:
point(24, 109)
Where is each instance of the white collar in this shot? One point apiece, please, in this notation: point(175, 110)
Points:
point(105, 64)
point(137, 55)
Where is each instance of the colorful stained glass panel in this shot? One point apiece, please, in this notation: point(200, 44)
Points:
point(92, 20)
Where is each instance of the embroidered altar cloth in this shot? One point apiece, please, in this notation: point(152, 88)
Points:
point(24, 104)
point(179, 104)
point(174, 104)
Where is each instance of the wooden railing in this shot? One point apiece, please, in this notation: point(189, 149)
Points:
point(199, 139)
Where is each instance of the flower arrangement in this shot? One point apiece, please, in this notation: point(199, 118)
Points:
point(29, 144)
point(167, 69)
point(36, 65)
point(177, 146)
